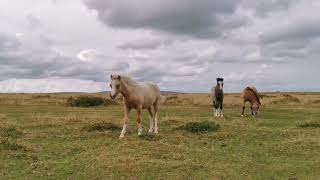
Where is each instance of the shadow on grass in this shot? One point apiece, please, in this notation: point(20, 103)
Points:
point(200, 127)
point(102, 126)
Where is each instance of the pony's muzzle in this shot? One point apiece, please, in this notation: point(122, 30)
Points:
point(112, 96)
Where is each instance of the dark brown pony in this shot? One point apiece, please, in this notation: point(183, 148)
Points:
point(217, 98)
point(250, 94)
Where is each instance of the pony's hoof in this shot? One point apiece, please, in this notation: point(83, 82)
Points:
point(121, 136)
point(242, 115)
point(156, 131)
point(221, 116)
point(139, 133)
point(150, 131)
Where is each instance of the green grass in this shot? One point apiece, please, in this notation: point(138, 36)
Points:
point(61, 142)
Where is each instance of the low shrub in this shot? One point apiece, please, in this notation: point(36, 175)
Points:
point(148, 137)
point(89, 101)
point(172, 97)
point(9, 132)
point(316, 101)
point(200, 127)
point(41, 96)
point(6, 145)
point(310, 124)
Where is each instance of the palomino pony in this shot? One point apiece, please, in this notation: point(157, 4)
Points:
point(217, 97)
point(136, 96)
point(251, 94)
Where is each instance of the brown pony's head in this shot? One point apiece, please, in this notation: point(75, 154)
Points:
point(115, 85)
point(255, 108)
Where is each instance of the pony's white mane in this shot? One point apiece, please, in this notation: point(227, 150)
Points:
point(128, 80)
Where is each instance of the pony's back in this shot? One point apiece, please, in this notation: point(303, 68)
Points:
point(254, 91)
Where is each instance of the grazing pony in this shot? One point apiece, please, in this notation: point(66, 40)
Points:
point(136, 96)
point(251, 94)
point(217, 98)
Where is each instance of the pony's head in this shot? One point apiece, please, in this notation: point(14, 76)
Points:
point(255, 108)
point(220, 83)
point(115, 85)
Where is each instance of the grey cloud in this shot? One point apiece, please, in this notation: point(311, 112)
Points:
point(264, 8)
point(8, 43)
point(144, 44)
point(298, 31)
point(33, 21)
point(189, 17)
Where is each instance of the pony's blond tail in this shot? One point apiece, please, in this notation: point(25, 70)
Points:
point(163, 99)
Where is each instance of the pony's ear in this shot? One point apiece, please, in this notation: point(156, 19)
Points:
point(111, 76)
point(119, 77)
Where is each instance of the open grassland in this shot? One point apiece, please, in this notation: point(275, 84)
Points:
point(43, 138)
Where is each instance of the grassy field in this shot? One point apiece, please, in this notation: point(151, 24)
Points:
point(43, 138)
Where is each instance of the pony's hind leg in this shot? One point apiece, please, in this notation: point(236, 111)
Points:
point(139, 120)
point(244, 106)
point(151, 120)
point(156, 111)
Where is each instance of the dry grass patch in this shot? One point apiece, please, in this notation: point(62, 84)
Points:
point(286, 99)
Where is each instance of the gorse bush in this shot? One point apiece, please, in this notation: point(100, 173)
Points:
point(88, 101)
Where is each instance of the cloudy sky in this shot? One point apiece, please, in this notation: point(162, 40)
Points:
point(183, 45)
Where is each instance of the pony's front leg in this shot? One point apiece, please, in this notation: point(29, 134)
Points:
point(125, 121)
point(139, 120)
point(221, 111)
